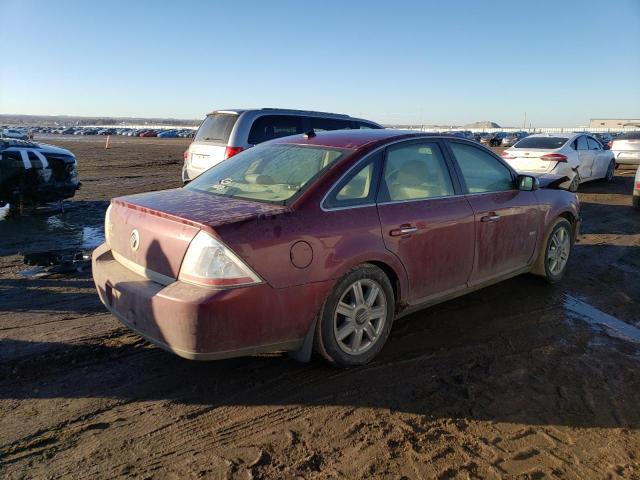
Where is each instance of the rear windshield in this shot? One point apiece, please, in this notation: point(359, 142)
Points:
point(216, 128)
point(550, 143)
point(268, 173)
point(629, 136)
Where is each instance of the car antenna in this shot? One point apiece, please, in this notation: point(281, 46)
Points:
point(310, 134)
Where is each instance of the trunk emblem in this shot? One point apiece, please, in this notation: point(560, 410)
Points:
point(134, 240)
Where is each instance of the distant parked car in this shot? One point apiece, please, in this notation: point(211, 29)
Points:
point(224, 133)
point(604, 139)
point(149, 133)
point(14, 133)
point(322, 241)
point(36, 173)
point(626, 149)
point(168, 134)
point(636, 190)
point(579, 157)
point(491, 139)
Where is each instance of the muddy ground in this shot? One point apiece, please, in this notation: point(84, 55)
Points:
point(519, 380)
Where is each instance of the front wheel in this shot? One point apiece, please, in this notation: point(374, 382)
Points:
point(552, 261)
point(611, 170)
point(356, 318)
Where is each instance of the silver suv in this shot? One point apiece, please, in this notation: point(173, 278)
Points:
point(223, 133)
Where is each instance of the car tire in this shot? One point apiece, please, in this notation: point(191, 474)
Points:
point(356, 318)
point(575, 183)
point(553, 258)
point(611, 171)
point(636, 201)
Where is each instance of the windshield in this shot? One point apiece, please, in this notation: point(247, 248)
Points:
point(216, 128)
point(269, 173)
point(549, 143)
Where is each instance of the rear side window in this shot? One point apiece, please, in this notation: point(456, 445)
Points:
point(481, 171)
point(324, 124)
point(415, 171)
point(269, 127)
point(359, 187)
point(216, 128)
point(548, 143)
point(593, 144)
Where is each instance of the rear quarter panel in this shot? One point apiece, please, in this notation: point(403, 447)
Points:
point(553, 204)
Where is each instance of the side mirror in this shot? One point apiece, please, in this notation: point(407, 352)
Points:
point(528, 183)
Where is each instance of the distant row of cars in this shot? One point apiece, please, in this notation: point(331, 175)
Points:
point(23, 133)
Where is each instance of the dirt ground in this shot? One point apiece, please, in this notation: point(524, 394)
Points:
point(519, 380)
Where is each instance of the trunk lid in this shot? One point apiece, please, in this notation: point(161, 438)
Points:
point(165, 222)
point(526, 160)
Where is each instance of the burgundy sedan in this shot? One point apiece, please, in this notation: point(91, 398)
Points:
point(320, 241)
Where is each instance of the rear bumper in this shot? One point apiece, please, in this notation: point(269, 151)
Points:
point(202, 323)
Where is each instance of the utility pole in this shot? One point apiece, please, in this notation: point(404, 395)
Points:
point(524, 124)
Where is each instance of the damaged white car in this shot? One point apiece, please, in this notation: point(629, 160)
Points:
point(34, 174)
point(578, 156)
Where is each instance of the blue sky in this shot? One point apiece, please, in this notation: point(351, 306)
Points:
point(431, 62)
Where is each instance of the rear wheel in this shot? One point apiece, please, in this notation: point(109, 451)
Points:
point(575, 183)
point(552, 261)
point(636, 201)
point(356, 318)
point(611, 170)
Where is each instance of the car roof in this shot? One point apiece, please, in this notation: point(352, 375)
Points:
point(355, 139)
point(285, 111)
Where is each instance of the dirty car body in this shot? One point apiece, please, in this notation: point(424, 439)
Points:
point(233, 265)
point(36, 173)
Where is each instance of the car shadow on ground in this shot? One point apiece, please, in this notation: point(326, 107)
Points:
point(506, 353)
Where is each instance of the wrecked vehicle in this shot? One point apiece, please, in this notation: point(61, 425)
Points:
point(34, 174)
point(320, 241)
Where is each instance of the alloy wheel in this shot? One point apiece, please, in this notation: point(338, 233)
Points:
point(558, 250)
point(360, 316)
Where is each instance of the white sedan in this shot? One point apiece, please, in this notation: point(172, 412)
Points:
point(578, 156)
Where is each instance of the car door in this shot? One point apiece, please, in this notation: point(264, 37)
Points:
point(425, 219)
point(505, 217)
point(585, 157)
point(600, 158)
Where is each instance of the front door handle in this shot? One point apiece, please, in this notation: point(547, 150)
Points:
point(493, 217)
point(403, 230)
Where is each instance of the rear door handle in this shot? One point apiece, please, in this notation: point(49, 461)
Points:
point(490, 218)
point(403, 230)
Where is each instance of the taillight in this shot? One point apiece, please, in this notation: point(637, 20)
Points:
point(507, 155)
point(231, 151)
point(209, 262)
point(610, 144)
point(554, 157)
point(185, 156)
point(637, 185)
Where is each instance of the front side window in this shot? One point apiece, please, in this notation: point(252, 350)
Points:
point(415, 171)
point(581, 143)
point(270, 173)
point(482, 172)
point(269, 127)
point(593, 144)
